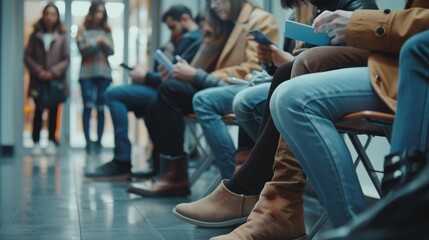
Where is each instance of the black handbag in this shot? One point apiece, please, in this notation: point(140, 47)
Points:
point(49, 94)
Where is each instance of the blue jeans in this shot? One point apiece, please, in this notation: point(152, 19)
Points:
point(304, 110)
point(93, 90)
point(210, 105)
point(249, 107)
point(411, 126)
point(121, 100)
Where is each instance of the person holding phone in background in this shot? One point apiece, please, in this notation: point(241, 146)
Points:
point(47, 59)
point(95, 43)
point(138, 98)
point(174, 100)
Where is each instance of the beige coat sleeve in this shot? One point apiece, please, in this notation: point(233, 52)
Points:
point(385, 31)
point(231, 66)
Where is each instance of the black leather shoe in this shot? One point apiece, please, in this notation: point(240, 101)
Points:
point(111, 171)
point(147, 173)
point(150, 171)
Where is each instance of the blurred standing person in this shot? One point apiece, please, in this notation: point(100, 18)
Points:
point(47, 59)
point(95, 43)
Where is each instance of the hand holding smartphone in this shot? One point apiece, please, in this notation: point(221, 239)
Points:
point(260, 37)
point(237, 81)
point(164, 61)
point(125, 66)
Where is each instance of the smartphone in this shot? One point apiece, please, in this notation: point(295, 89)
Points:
point(237, 81)
point(125, 66)
point(260, 37)
point(164, 61)
point(305, 33)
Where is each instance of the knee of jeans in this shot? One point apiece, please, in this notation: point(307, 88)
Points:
point(88, 105)
point(110, 93)
point(287, 100)
point(200, 103)
point(240, 108)
point(167, 87)
point(100, 107)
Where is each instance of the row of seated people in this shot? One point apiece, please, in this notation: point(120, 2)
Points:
point(359, 72)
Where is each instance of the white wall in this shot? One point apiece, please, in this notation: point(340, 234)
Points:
point(11, 75)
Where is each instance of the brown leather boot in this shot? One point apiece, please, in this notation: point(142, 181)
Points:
point(222, 208)
point(279, 213)
point(172, 180)
point(241, 157)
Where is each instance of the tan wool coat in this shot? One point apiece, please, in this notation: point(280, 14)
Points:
point(384, 32)
point(239, 56)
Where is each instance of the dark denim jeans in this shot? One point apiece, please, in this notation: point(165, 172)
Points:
point(93, 90)
point(120, 100)
point(411, 126)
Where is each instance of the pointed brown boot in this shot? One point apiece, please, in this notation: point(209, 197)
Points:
point(241, 157)
point(222, 208)
point(279, 213)
point(172, 180)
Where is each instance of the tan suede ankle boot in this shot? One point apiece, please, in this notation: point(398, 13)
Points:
point(279, 213)
point(222, 208)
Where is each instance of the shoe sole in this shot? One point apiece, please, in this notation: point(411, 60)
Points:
point(106, 179)
point(175, 193)
point(229, 223)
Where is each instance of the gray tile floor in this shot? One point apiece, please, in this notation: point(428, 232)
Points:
point(48, 198)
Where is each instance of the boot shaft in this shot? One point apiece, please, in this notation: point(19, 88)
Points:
point(286, 167)
point(174, 168)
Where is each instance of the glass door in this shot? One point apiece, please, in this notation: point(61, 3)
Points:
point(131, 25)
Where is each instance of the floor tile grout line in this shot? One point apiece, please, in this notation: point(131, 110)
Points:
point(147, 220)
point(73, 169)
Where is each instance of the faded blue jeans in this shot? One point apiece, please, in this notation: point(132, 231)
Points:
point(249, 107)
point(411, 126)
point(210, 105)
point(121, 100)
point(304, 110)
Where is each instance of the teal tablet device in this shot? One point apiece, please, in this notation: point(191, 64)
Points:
point(305, 33)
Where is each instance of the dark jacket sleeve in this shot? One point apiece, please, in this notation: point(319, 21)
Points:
point(153, 79)
point(203, 80)
point(348, 5)
point(188, 46)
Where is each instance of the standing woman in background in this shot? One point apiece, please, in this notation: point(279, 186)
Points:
point(47, 59)
point(95, 43)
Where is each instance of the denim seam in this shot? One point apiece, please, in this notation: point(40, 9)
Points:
point(318, 97)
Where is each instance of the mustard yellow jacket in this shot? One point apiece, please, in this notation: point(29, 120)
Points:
point(384, 32)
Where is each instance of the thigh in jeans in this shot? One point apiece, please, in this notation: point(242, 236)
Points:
point(87, 91)
point(101, 84)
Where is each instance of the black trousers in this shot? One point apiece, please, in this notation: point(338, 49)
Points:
point(258, 168)
point(37, 123)
point(174, 100)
